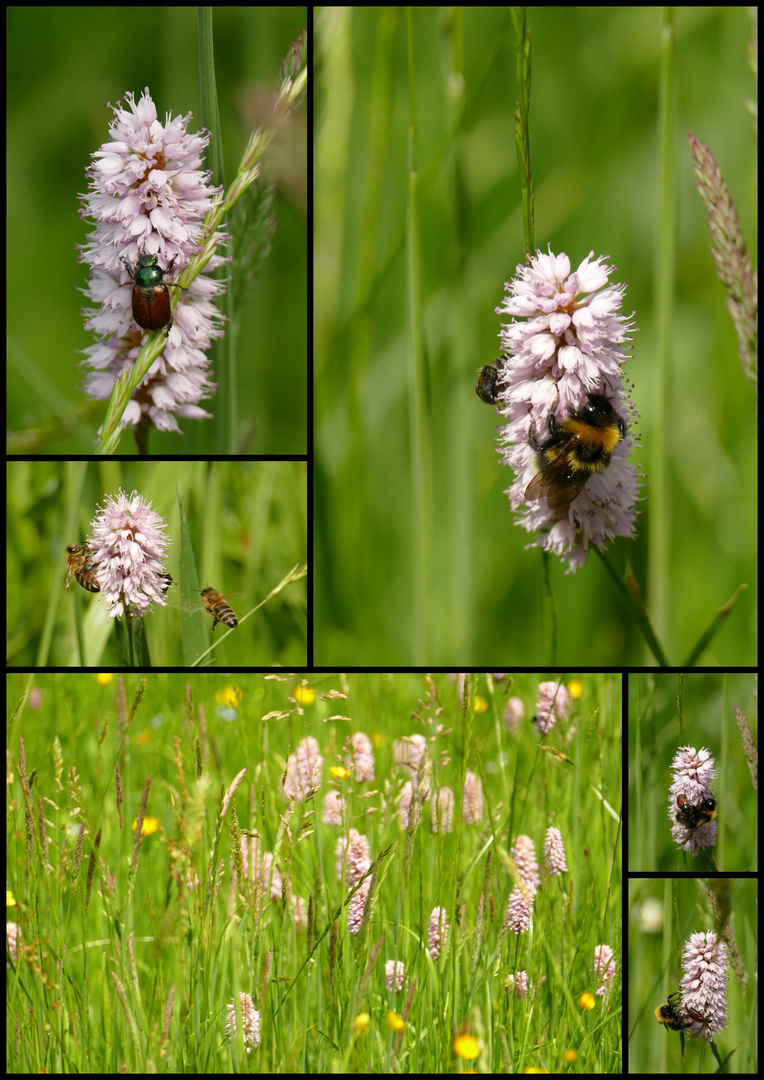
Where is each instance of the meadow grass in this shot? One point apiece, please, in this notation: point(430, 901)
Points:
point(143, 955)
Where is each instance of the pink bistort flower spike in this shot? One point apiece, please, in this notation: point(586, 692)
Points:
point(333, 805)
point(250, 1022)
point(524, 854)
point(604, 967)
point(519, 909)
point(352, 854)
point(356, 908)
point(564, 351)
point(472, 800)
point(437, 932)
point(692, 805)
point(553, 704)
point(704, 984)
point(394, 970)
point(148, 195)
point(128, 547)
point(519, 988)
point(303, 773)
point(12, 936)
point(409, 751)
point(361, 757)
point(442, 811)
point(554, 853)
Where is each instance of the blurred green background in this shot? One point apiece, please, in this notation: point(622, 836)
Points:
point(708, 720)
point(248, 528)
point(65, 66)
point(594, 145)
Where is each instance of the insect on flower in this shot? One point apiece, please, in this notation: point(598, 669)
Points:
point(80, 566)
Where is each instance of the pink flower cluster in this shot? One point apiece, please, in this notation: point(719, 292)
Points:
point(303, 771)
point(352, 854)
point(437, 932)
point(442, 811)
point(604, 967)
point(357, 907)
point(250, 1022)
point(472, 800)
point(361, 757)
point(394, 970)
point(254, 860)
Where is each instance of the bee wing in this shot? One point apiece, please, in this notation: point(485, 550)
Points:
point(560, 497)
point(537, 486)
point(191, 606)
point(551, 483)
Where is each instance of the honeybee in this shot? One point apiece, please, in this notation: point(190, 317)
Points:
point(215, 603)
point(80, 567)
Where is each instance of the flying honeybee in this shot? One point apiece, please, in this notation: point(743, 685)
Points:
point(79, 566)
point(215, 603)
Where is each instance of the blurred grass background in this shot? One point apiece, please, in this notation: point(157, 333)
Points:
point(63, 71)
point(191, 735)
point(655, 735)
point(248, 528)
point(595, 162)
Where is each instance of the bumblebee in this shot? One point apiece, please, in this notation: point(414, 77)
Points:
point(574, 451)
point(692, 817)
point(487, 383)
point(669, 1015)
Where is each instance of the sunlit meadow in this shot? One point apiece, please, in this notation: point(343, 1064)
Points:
point(338, 873)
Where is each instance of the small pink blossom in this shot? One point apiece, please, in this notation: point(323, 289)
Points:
point(409, 751)
point(604, 967)
point(524, 854)
point(361, 757)
point(356, 908)
point(437, 933)
point(519, 909)
point(472, 800)
point(517, 989)
point(13, 936)
point(442, 811)
point(250, 1022)
point(554, 853)
point(352, 855)
point(397, 970)
point(553, 704)
point(303, 772)
point(333, 805)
